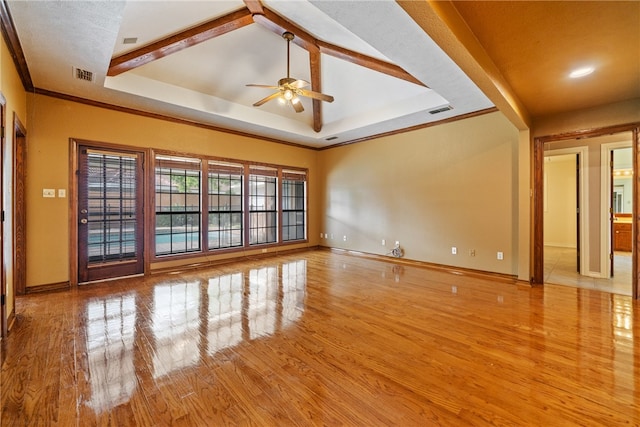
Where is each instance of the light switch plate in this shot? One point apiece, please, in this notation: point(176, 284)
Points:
point(62, 192)
point(48, 192)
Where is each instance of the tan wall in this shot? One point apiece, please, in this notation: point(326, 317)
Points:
point(455, 184)
point(53, 121)
point(592, 118)
point(15, 108)
point(560, 222)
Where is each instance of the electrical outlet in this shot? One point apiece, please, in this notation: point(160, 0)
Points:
point(325, 235)
point(321, 235)
point(472, 252)
point(384, 242)
point(454, 250)
point(500, 255)
point(344, 238)
point(397, 243)
point(48, 192)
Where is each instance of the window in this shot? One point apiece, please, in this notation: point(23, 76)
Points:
point(293, 205)
point(225, 205)
point(206, 204)
point(178, 210)
point(111, 205)
point(263, 206)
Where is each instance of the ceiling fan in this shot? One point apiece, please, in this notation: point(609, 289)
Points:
point(289, 89)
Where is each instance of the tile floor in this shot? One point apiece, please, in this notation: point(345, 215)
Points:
point(560, 269)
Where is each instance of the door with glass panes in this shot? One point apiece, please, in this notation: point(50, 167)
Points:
point(110, 213)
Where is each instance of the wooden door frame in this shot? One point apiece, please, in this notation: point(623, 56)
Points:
point(19, 209)
point(4, 316)
point(537, 206)
point(73, 200)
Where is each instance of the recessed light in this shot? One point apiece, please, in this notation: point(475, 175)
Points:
point(581, 72)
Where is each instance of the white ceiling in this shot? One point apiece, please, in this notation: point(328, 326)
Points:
point(205, 83)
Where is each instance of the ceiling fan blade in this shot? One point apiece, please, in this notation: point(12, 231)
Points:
point(299, 84)
point(297, 106)
point(315, 95)
point(268, 98)
point(267, 86)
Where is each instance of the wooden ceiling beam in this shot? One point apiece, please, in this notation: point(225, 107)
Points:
point(279, 25)
point(254, 6)
point(179, 41)
point(367, 62)
point(316, 86)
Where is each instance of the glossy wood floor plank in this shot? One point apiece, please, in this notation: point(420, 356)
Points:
point(321, 338)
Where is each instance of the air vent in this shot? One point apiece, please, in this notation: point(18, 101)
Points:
point(331, 138)
point(130, 40)
point(441, 110)
point(81, 74)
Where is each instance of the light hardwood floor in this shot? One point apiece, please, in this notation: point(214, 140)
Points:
point(321, 338)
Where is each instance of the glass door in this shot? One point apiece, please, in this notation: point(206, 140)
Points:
point(110, 214)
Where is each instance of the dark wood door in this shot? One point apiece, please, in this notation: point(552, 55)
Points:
point(110, 214)
point(20, 209)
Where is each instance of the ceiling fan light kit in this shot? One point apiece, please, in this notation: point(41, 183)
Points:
point(289, 89)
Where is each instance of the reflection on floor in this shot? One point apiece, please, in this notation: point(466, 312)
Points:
point(560, 269)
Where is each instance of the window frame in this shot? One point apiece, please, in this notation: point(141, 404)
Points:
point(267, 172)
point(180, 162)
point(232, 169)
point(294, 175)
point(247, 166)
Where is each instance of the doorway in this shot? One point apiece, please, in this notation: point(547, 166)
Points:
point(593, 216)
point(618, 160)
point(109, 213)
point(566, 197)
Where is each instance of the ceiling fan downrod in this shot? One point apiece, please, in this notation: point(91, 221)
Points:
point(288, 36)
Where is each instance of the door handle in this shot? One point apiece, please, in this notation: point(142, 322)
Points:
point(84, 221)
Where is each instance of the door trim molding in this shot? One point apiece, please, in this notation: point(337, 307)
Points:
point(605, 186)
point(5, 317)
point(537, 242)
point(73, 200)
